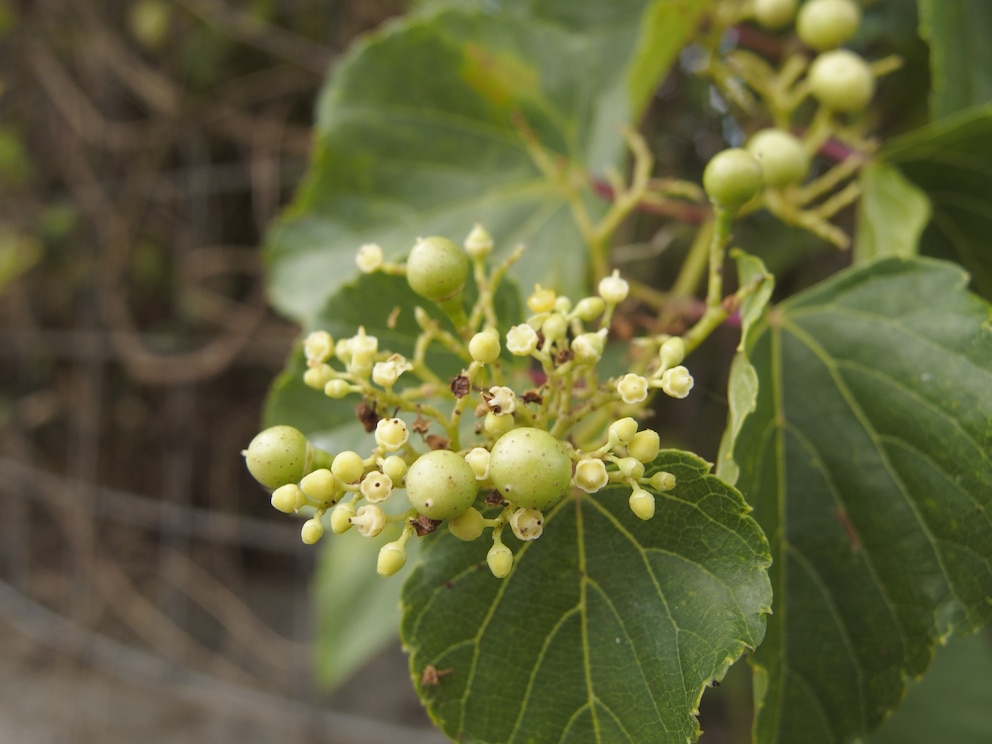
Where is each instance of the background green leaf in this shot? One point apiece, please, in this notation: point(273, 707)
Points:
point(960, 55)
point(892, 213)
point(868, 463)
point(951, 161)
point(419, 132)
point(607, 630)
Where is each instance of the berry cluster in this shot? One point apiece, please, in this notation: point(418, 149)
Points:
point(772, 168)
point(526, 453)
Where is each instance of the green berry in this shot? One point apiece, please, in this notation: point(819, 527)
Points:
point(467, 526)
point(437, 269)
point(782, 157)
point(826, 24)
point(842, 81)
point(774, 14)
point(530, 468)
point(732, 178)
point(441, 485)
point(277, 456)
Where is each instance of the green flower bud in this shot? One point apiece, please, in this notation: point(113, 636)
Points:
point(467, 526)
point(395, 467)
point(645, 445)
point(288, 498)
point(311, 531)
point(662, 481)
point(623, 430)
point(341, 517)
point(392, 557)
point(348, 466)
point(641, 502)
point(320, 486)
point(500, 560)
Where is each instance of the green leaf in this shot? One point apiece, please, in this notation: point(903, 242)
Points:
point(892, 213)
point(951, 703)
point(608, 628)
point(951, 161)
point(742, 386)
point(868, 460)
point(421, 130)
point(960, 56)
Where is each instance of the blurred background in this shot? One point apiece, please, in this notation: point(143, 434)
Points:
point(147, 590)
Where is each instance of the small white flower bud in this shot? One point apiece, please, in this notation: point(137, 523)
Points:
point(388, 372)
point(541, 300)
point(613, 289)
point(478, 459)
point(479, 243)
point(288, 498)
point(500, 560)
point(672, 352)
point(623, 430)
point(392, 557)
point(341, 517)
point(348, 466)
point(320, 486)
point(337, 389)
point(662, 481)
point(311, 531)
point(554, 327)
point(588, 347)
point(589, 308)
point(317, 377)
point(630, 467)
point(645, 445)
point(641, 502)
point(317, 348)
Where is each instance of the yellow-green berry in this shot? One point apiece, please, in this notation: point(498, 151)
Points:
point(732, 178)
point(441, 485)
point(782, 158)
point(277, 456)
point(437, 269)
point(774, 14)
point(826, 24)
point(842, 81)
point(530, 468)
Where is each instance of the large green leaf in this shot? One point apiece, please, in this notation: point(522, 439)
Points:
point(960, 55)
point(608, 628)
point(421, 130)
point(951, 161)
point(868, 460)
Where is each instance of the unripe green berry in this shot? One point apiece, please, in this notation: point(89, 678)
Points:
point(467, 526)
point(782, 157)
point(437, 269)
point(842, 81)
point(530, 468)
point(527, 524)
point(774, 14)
point(311, 531)
point(484, 346)
point(732, 178)
point(641, 502)
point(500, 560)
point(645, 445)
point(441, 485)
point(288, 498)
point(392, 557)
point(341, 517)
point(826, 24)
point(277, 456)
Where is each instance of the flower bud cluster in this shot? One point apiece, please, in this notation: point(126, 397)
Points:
point(523, 461)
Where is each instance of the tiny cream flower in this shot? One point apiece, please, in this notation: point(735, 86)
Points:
point(632, 388)
point(386, 373)
point(677, 382)
point(369, 258)
point(588, 347)
point(376, 487)
point(369, 520)
point(501, 400)
point(590, 475)
point(527, 524)
point(521, 340)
